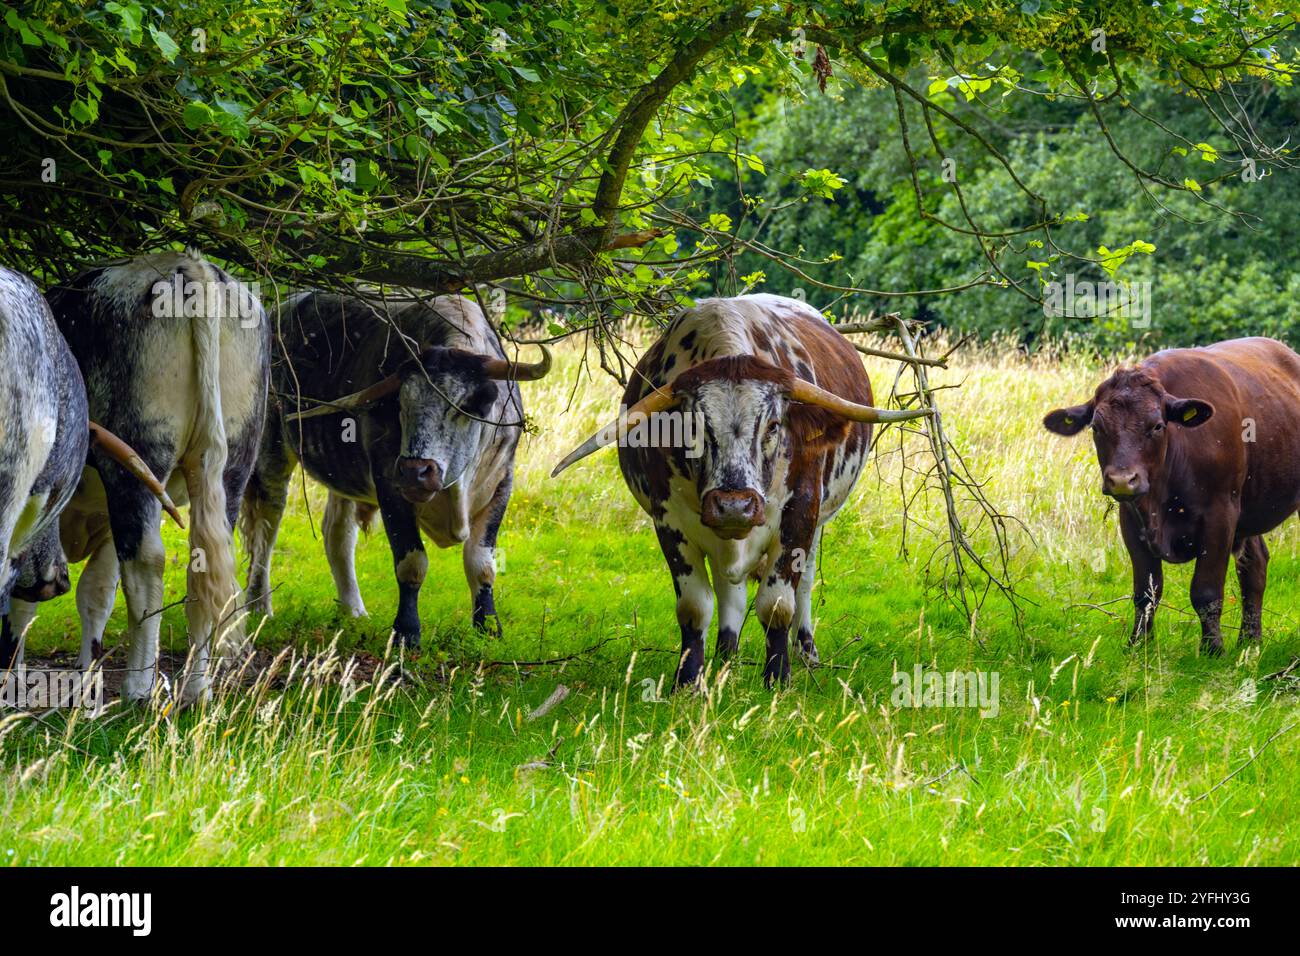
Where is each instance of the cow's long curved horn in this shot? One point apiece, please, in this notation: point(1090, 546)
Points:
point(659, 400)
point(809, 394)
point(366, 396)
point(504, 369)
point(125, 455)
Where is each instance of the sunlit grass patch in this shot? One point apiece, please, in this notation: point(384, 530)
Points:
point(1097, 754)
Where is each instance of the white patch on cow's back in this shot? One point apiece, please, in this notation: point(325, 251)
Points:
point(727, 327)
point(168, 383)
point(765, 303)
point(28, 516)
point(122, 283)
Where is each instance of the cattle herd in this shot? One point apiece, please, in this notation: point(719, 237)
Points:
point(743, 431)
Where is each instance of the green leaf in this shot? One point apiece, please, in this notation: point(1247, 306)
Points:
point(821, 182)
point(166, 45)
point(15, 22)
point(85, 111)
point(196, 114)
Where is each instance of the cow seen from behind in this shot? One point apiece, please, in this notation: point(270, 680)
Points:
point(175, 357)
point(45, 439)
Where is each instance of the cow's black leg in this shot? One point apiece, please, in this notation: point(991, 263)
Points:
point(803, 619)
point(135, 517)
point(1148, 577)
point(687, 565)
point(1208, 580)
point(731, 599)
point(1252, 575)
point(479, 557)
point(261, 509)
point(778, 592)
point(409, 562)
point(8, 644)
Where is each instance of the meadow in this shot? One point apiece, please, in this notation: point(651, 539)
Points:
point(1098, 753)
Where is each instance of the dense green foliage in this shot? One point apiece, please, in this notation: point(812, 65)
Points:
point(441, 143)
point(1213, 274)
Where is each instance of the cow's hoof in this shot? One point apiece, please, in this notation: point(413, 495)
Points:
point(489, 625)
point(728, 645)
point(689, 688)
point(394, 676)
point(776, 673)
point(194, 691)
point(688, 676)
point(1212, 648)
point(407, 642)
point(353, 608)
point(139, 691)
point(806, 649)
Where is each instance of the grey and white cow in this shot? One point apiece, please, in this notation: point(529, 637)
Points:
point(175, 357)
point(407, 406)
point(44, 441)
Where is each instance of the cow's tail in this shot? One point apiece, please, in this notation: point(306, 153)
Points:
point(213, 596)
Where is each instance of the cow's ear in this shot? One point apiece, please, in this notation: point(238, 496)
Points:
point(1188, 412)
point(1068, 421)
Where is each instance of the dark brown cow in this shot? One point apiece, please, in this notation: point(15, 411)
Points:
point(1201, 448)
point(767, 409)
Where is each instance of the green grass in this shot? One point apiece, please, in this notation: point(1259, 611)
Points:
point(1098, 755)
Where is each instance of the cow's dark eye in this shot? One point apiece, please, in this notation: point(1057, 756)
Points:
point(1157, 428)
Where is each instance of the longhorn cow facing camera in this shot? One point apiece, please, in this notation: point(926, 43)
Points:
point(425, 432)
point(783, 407)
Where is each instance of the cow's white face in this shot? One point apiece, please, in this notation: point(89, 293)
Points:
point(441, 411)
point(744, 432)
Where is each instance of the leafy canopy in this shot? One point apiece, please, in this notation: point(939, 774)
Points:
point(436, 144)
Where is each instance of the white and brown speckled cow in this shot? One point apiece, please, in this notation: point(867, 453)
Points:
point(785, 408)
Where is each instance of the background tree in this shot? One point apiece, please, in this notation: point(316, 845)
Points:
point(435, 144)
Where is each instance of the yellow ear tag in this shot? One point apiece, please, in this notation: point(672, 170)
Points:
point(1189, 414)
point(1069, 420)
